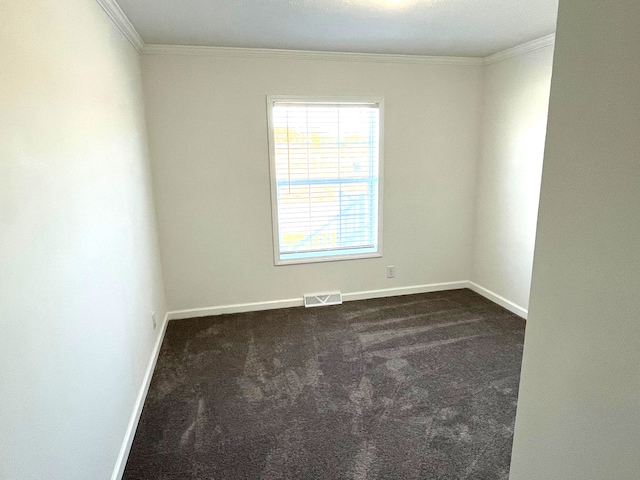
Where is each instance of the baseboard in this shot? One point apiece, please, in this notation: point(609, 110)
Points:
point(137, 407)
point(235, 308)
point(500, 300)
point(394, 292)
point(298, 302)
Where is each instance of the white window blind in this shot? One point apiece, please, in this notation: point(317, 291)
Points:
point(325, 178)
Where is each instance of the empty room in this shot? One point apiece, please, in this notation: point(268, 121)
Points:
point(307, 239)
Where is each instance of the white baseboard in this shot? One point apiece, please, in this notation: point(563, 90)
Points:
point(235, 308)
point(500, 300)
point(394, 292)
point(298, 302)
point(137, 407)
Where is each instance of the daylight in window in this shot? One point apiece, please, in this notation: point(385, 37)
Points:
point(325, 168)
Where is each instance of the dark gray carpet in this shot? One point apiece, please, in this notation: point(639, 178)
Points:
point(413, 387)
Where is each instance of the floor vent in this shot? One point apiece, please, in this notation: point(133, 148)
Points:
point(322, 299)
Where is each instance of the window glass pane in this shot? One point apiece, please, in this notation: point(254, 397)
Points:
point(326, 178)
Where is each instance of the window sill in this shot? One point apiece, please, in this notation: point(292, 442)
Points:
point(331, 258)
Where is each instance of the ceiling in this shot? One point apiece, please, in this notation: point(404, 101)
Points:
point(473, 28)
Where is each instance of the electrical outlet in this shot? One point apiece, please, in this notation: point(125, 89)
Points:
point(153, 318)
point(391, 271)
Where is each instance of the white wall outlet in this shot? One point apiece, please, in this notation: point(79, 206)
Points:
point(391, 271)
point(153, 318)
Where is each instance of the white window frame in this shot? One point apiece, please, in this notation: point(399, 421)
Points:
point(271, 100)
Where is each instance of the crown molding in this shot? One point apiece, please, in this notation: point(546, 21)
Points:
point(521, 49)
point(305, 55)
point(122, 22)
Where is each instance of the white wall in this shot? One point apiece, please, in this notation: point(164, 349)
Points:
point(208, 138)
point(79, 268)
point(578, 410)
point(513, 124)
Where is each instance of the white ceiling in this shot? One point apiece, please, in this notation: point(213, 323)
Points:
point(475, 28)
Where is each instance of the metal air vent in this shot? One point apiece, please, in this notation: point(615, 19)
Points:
point(322, 299)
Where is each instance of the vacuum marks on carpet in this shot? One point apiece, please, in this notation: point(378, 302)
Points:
point(413, 387)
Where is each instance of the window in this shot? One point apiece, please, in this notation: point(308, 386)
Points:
point(326, 176)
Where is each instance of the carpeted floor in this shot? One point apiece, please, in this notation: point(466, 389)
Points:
point(413, 387)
